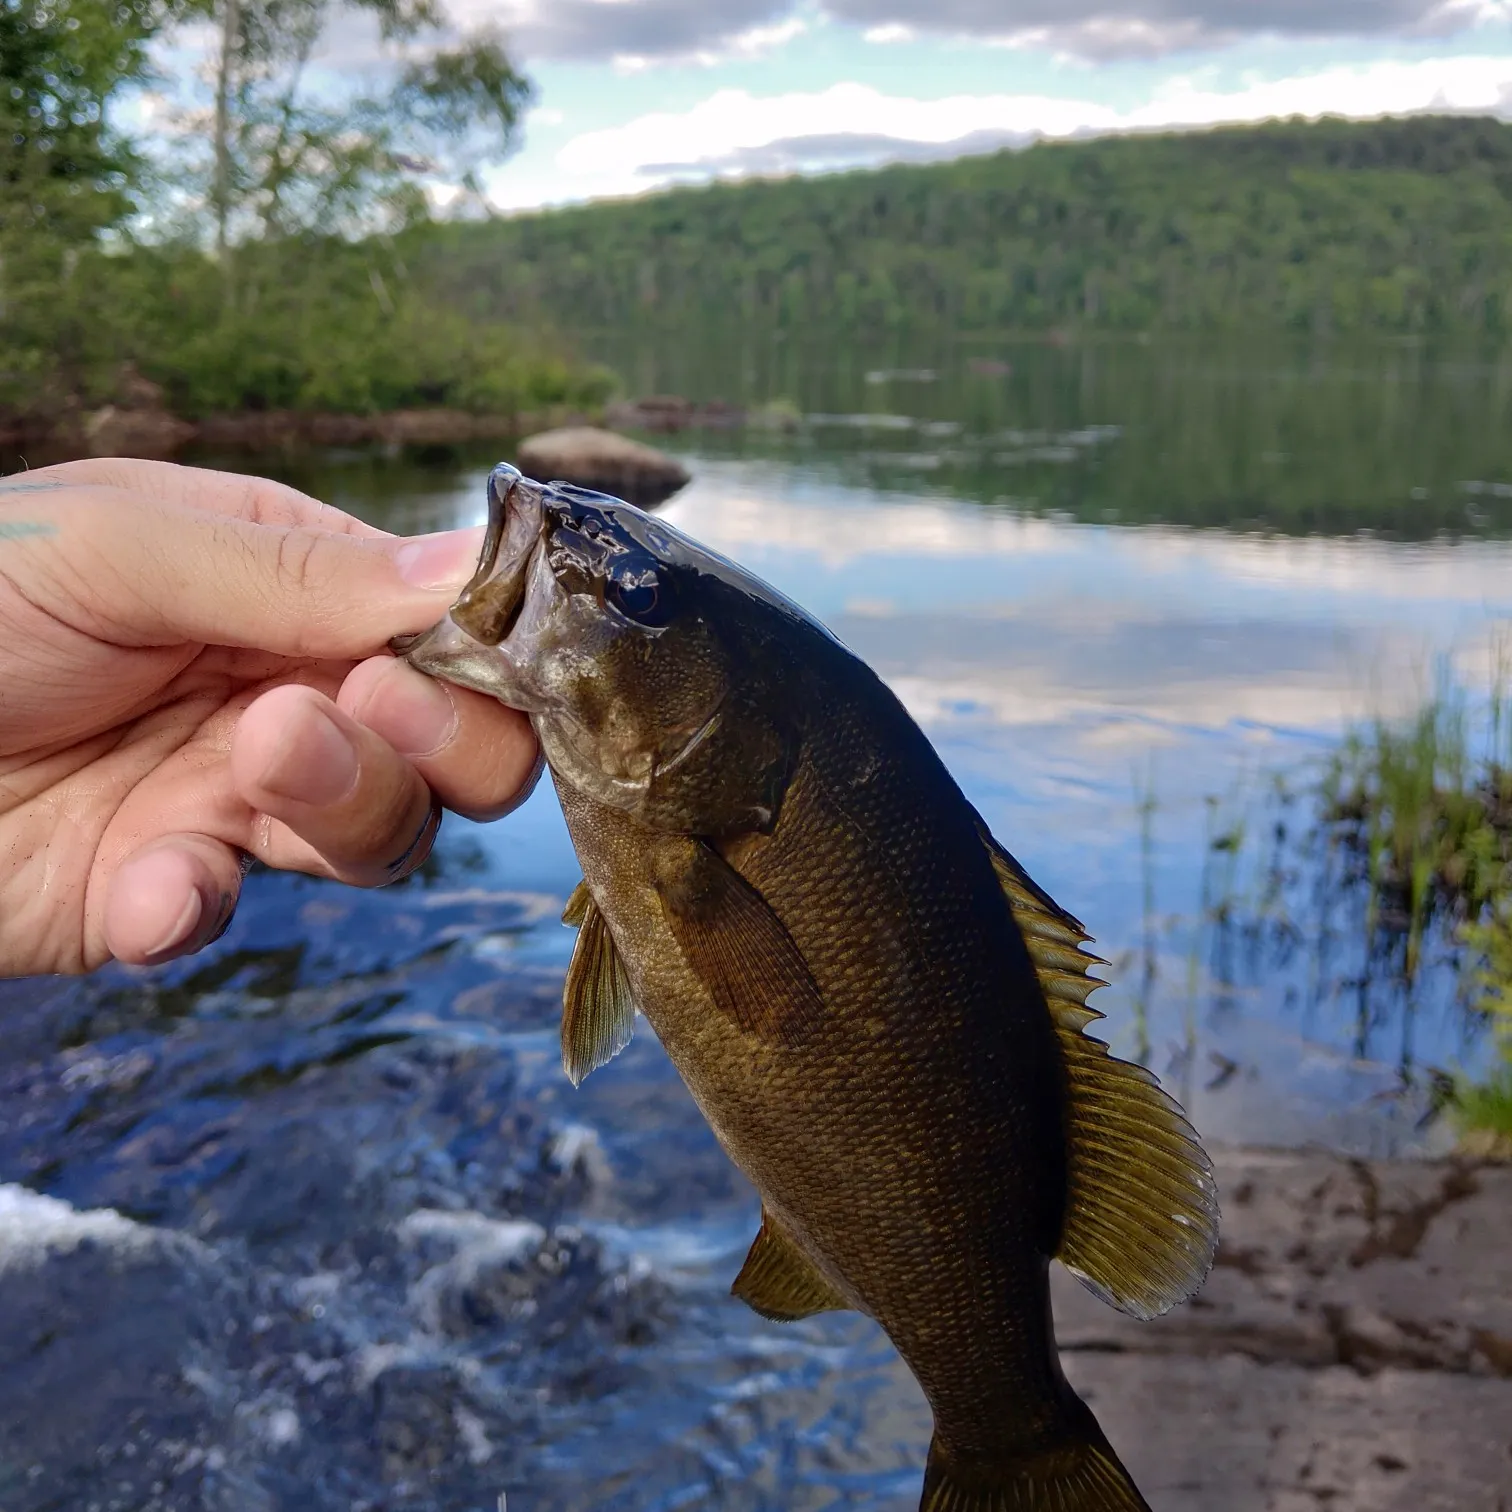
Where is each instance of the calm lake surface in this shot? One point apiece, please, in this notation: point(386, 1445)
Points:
point(1135, 595)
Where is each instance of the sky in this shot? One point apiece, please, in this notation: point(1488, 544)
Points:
point(633, 95)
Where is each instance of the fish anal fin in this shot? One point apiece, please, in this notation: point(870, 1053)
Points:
point(737, 946)
point(1141, 1220)
point(780, 1282)
point(1073, 1475)
point(598, 1004)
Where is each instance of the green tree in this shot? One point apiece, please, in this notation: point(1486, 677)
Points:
point(1401, 226)
point(287, 158)
point(65, 175)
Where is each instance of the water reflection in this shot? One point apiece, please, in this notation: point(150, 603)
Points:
point(1064, 669)
point(1058, 664)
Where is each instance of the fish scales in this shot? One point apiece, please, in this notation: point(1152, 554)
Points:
point(898, 1187)
point(782, 875)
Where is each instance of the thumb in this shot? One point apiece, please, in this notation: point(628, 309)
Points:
point(141, 572)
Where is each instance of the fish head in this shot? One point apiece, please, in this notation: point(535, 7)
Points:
point(658, 675)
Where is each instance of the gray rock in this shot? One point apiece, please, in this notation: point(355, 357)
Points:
point(602, 460)
point(1326, 1261)
point(113, 432)
point(1201, 1435)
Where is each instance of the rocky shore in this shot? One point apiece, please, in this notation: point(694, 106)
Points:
point(137, 423)
point(150, 431)
point(1352, 1349)
point(556, 444)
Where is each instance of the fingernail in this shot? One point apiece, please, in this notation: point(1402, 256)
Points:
point(439, 562)
point(182, 928)
point(415, 714)
point(316, 763)
point(205, 919)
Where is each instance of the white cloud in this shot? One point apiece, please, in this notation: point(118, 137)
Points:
point(734, 129)
point(738, 523)
point(761, 39)
point(1102, 29)
point(1106, 37)
point(637, 34)
point(755, 42)
point(644, 32)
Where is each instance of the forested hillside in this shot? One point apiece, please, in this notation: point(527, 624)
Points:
point(1393, 226)
point(1398, 227)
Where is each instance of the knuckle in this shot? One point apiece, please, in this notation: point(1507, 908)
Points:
point(297, 562)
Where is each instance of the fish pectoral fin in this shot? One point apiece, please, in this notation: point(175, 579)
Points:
point(1141, 1221)
point(780, 1282)
point(737, 946)
point(598, 1007)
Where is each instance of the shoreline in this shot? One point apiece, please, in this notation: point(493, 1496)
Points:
point(156, 433)
point(148, 429)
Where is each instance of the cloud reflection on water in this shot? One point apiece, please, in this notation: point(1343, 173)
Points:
point(1059, 665)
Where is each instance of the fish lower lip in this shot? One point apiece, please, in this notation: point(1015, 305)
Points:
point(401, 644)
point(489, 607)
point(513, 617)
point(498, 516)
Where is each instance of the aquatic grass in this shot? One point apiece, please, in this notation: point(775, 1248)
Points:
point(1145, 803)
point(1415, 812)
point(1381, 878)
point(1483, 1112)
point(1483, 1115)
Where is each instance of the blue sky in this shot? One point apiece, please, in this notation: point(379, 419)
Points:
point(635, 94)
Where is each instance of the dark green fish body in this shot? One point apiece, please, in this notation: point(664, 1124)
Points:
point(881, 1017)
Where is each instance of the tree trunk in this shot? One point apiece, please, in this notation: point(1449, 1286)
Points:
point(230, 31)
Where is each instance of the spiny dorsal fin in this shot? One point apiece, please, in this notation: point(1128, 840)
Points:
point(598, 1008)
point(1142, 1206)
point(779, 1281)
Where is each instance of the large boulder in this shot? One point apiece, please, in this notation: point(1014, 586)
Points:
point(114, 432)
point(602, 460)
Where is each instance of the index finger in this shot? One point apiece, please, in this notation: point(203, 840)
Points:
point(261, 501)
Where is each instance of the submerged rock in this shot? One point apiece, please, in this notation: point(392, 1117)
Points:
point(671, 412)
point(602, 460)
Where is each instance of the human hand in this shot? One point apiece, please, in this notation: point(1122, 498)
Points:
point(188, 678)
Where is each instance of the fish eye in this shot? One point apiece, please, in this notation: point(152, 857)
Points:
point(638, 592)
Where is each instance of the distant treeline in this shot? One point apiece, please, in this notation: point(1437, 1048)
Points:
point(1392, 226)
point(1397, 227)
point(317, 325)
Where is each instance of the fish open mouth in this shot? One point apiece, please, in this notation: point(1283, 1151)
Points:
point(488, 608)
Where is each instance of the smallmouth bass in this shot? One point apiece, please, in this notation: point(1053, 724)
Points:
point(880, 1014)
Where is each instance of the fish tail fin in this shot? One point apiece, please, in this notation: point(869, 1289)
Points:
point(1075, 1473)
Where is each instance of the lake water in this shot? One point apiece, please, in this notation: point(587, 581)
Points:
point(1124, 589)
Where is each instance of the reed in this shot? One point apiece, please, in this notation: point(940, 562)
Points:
point(1415, 820)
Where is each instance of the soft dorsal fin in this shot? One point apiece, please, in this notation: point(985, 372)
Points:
point(1142, 1206)
point(780, 1282)
point(598, 1007)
